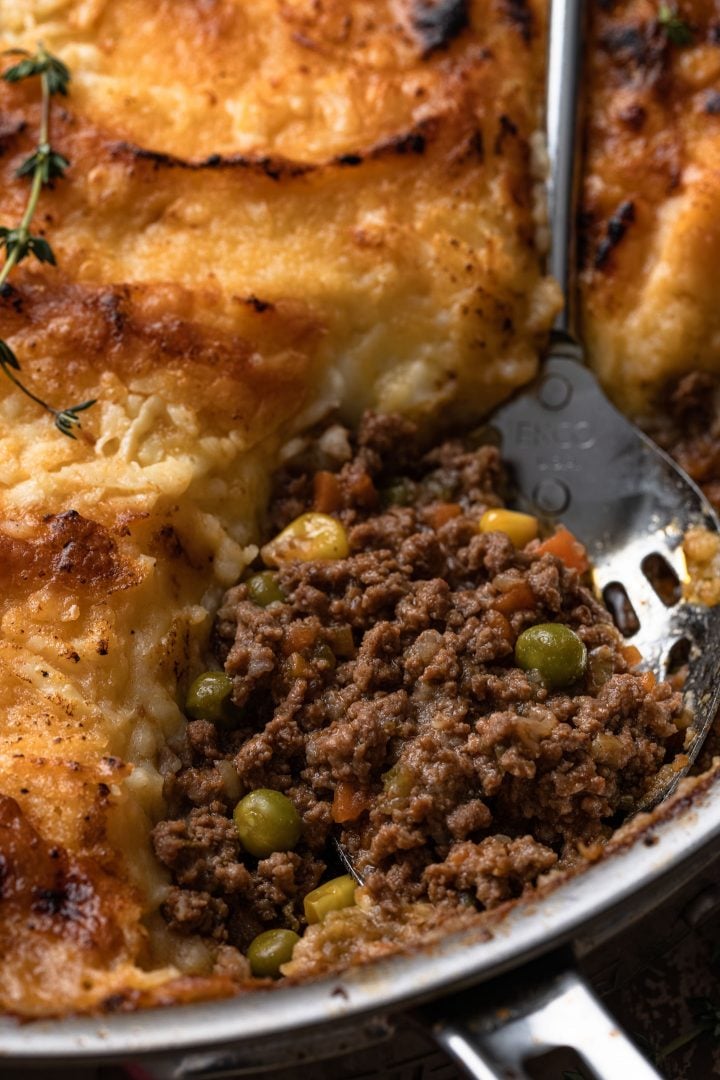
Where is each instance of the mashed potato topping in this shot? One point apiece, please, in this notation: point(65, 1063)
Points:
point(651, 204)
point(272, 211)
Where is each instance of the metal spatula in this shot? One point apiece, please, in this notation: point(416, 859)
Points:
point(576, 459)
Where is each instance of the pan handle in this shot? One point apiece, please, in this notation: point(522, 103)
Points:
point(491, 1032)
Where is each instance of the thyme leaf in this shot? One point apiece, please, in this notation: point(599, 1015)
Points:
point(8, 357)
point(20, 243)
point(55, 73)
point(42, 167)
point(66, 420)
point(48, 161)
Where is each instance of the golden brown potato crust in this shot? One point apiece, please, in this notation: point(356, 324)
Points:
point(651, 204)
point(273, 209)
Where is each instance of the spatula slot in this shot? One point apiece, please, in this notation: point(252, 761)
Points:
point(620, 607)
point(662, 578)
point(678, 656)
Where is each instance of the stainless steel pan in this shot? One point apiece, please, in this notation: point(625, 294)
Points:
point(512, 996)
point(486, 1025)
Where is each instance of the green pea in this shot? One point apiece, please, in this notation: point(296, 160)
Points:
point(267, 821)
point(400, 492)
point(269, 950)
point(555, 651)
point(210, 698)
point(264, 590)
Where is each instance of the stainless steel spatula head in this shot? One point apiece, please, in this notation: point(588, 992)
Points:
point(575, 459)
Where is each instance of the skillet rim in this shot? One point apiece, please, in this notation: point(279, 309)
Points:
point(645, 868)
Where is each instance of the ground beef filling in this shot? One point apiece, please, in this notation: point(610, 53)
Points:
point(687, 425)
point(386, 681)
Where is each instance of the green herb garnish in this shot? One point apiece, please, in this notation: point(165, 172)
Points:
point(43, 166)
point(675, 27)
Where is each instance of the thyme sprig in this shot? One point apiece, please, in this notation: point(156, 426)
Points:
point(43, 166)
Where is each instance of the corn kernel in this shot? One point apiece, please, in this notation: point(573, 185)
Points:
point(310, 536)
point(331, 896)
point(521, 528)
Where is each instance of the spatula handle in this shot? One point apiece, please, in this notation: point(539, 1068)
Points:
point(565, 58)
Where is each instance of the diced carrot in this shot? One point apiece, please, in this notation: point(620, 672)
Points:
point(565, 547)
point(499, 624)
point(519, 598)
point(439, 514)
point(327, 496)
point(648, 681)
point(298, 637)
point(632, 655)
point(349, 802)
point(297, 666)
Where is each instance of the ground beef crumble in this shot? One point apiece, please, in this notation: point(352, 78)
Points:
point(392, 670)
point(687, 424)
